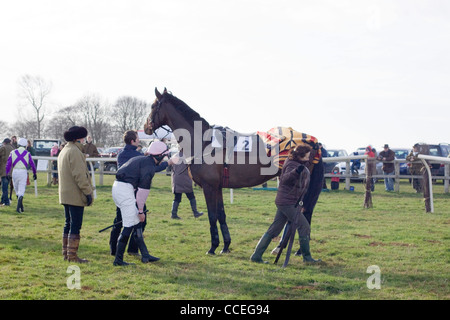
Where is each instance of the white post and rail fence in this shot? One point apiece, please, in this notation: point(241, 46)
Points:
point(45, 165)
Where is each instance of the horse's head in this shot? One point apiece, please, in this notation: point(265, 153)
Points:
point(157, 117)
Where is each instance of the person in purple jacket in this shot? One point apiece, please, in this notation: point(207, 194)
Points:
point(19, 161)
point(290, 190)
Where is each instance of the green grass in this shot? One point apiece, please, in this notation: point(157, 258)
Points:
point(410, 247)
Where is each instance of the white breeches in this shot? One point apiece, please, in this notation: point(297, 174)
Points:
point(19, 178)
point(123, 196)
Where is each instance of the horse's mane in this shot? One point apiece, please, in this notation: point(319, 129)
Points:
point(182, 107)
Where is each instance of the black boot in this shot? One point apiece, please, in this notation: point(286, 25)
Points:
point(19, 205)
point(113, 238)
point(146, 257)
point(194, 208)
point(175, 205)
point(120, 250)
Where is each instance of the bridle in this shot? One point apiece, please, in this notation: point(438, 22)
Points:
point(155, 113)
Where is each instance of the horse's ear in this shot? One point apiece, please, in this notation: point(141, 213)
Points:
point(157, 94)
point(165, 90)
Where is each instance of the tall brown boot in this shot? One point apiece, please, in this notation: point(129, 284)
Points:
point(64, 245)
point(72, 249)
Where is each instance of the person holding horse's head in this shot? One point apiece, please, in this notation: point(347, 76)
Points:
point(294, 182)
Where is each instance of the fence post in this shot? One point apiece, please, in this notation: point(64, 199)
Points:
point(446, 177)
point(397, 176)
point(427, 188)
point(49, 173)
point(348, 173)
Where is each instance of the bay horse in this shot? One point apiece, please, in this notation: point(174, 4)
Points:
point(230, 170)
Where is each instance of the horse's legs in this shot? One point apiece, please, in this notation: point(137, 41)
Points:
point(223, 223)
point(211, 203)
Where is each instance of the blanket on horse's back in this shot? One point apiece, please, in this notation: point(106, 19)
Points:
point(286, 139)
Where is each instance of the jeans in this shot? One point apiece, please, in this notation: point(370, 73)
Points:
point(74, 219)
point(389, 182)
point(5, 184)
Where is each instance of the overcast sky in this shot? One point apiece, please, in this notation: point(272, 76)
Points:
point(351, 73)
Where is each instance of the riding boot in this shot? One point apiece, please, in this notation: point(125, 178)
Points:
point(120, 250)
point(194, 208)
point(146, 257)
point(72, 249)
point(133, 248)
point(261, 248)
point(175, 205)
point(21, 203)
point(113, 238)
point(64, 245)
point(304, 247)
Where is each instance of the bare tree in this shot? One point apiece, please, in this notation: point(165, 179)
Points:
point(94, 116)
point(129, 113)
point(62, 120)
point(35, 91)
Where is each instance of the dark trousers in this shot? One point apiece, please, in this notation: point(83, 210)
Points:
point(285, 214)
point(5, 184)
point(115, 233)
point(189, 195)
point(74, 219)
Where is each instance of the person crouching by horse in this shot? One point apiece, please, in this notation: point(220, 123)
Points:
point(182, 183)
point(294, 182)
point(19, 161)
point(130, 192)
point(75, 190)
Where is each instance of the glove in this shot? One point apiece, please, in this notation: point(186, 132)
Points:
point(34, 176)
point(89, 199)
point(300, 169)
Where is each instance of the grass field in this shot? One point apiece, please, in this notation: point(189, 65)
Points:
point(410, 247)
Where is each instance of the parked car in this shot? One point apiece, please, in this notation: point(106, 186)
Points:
point(359, 171)
point(44, 146)
point(402, 153)
point(111, 153)
point(437, 150)
point(332, 153)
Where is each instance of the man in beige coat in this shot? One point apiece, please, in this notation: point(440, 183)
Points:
point(75, 190)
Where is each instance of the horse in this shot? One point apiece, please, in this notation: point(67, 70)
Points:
point(214, 170)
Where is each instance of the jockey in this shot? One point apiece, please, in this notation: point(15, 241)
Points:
point(19, 161)
point(130, 192)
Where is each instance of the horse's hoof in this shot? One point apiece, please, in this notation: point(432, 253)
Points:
point(211, 253)
point(225, 251)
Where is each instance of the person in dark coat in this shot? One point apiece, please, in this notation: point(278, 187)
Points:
point(416, 167)
point(5, 150)
point(130, 191)
point(131, 139)
point(388, 167)
point(292, 187)
point(182, 183)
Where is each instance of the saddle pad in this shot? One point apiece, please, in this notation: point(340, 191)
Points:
point(286, 139)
